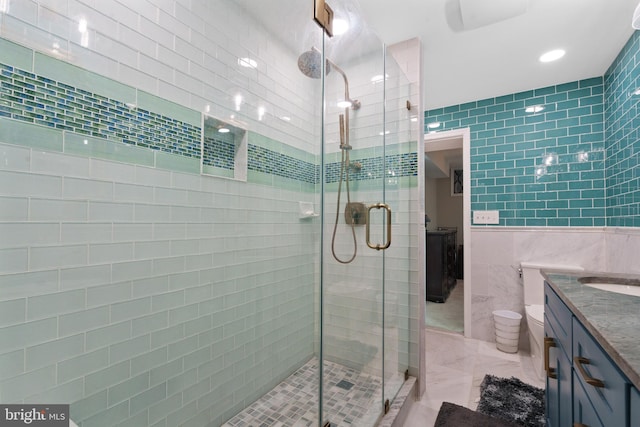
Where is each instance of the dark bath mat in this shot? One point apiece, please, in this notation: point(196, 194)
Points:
point(513, 400)
point(452, 415)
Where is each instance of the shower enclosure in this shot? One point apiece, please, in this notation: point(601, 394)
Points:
point(196, 228)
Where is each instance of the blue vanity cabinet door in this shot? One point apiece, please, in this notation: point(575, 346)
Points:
point(552, 389)
point(583, 412)
point(560, 317)
point(558, 392)
point(609, 399)
point(634, 403)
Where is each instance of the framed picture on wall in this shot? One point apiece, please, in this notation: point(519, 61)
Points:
point(456, 182)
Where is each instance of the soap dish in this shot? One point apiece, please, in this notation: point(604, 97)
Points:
point(306, 210)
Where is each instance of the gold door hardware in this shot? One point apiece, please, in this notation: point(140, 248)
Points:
point(548, 343)
point(580, 361)
point(323, 15)
point(368, 225)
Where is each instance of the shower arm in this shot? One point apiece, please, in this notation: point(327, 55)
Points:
point(346, 82)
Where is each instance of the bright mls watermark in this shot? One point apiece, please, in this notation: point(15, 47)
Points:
point(34, 415)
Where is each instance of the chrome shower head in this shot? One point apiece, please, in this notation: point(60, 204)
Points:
point(310, 63)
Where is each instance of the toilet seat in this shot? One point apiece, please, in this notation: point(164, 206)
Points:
point(535, 312)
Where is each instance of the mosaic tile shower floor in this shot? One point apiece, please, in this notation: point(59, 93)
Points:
point(294, 402)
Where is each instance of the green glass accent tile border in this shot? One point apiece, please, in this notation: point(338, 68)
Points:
point(177, 163)
point(368, 168)
point(36, 107)
point(216, 171)
point(62, 72)
point(19, 56)
point(273, 145)
point(40, 100)
point(41, 137)
point(529, 166)
point(268, 161)
point(167, 108)
point(82, 145)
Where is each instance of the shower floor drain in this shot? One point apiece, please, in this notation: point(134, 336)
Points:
point(344, 384)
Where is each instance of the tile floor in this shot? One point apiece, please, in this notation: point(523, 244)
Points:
point(349, 397)
point(448, 315)
point(455, 369)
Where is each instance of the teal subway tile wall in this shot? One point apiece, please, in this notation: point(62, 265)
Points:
point(543, 168)
point(575, 163)
point(622, 133)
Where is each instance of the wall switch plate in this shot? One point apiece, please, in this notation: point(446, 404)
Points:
point(486, 217)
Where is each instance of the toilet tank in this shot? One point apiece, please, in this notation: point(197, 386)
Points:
point(533, 281)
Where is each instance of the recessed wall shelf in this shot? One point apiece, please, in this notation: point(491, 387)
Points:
point(224, 149)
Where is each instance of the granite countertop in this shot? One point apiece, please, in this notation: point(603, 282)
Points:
point(613, 319)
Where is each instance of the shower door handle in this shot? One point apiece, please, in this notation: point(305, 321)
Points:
point(388, 242)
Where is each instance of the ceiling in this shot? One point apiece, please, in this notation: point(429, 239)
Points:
point(494, 50)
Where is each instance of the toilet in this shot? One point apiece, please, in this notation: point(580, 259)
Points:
point(533, 283)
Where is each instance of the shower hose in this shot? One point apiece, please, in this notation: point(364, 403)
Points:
point(344, 170)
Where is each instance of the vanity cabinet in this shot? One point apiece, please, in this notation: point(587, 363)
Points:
point(583, 411)
point(441, 264)
point(604, 384)
point(557, 342)
point(584, 386)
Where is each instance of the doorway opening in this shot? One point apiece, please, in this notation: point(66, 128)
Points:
point(447, 227)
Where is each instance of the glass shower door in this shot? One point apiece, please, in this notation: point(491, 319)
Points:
point(363, 344)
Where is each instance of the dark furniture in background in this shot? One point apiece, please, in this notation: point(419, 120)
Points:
point(442, 269)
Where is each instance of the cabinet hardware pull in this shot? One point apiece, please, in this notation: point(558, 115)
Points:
point(548, 343)
point(579, 361)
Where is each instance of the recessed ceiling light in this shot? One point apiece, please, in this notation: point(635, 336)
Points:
point(344, 104)
point(534, 109)
point(552, 55)
point(223, 130)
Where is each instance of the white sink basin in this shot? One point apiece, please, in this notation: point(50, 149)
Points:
point(614, 287)
point(613, 284)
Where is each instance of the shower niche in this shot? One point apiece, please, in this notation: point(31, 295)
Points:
point(223, 149)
